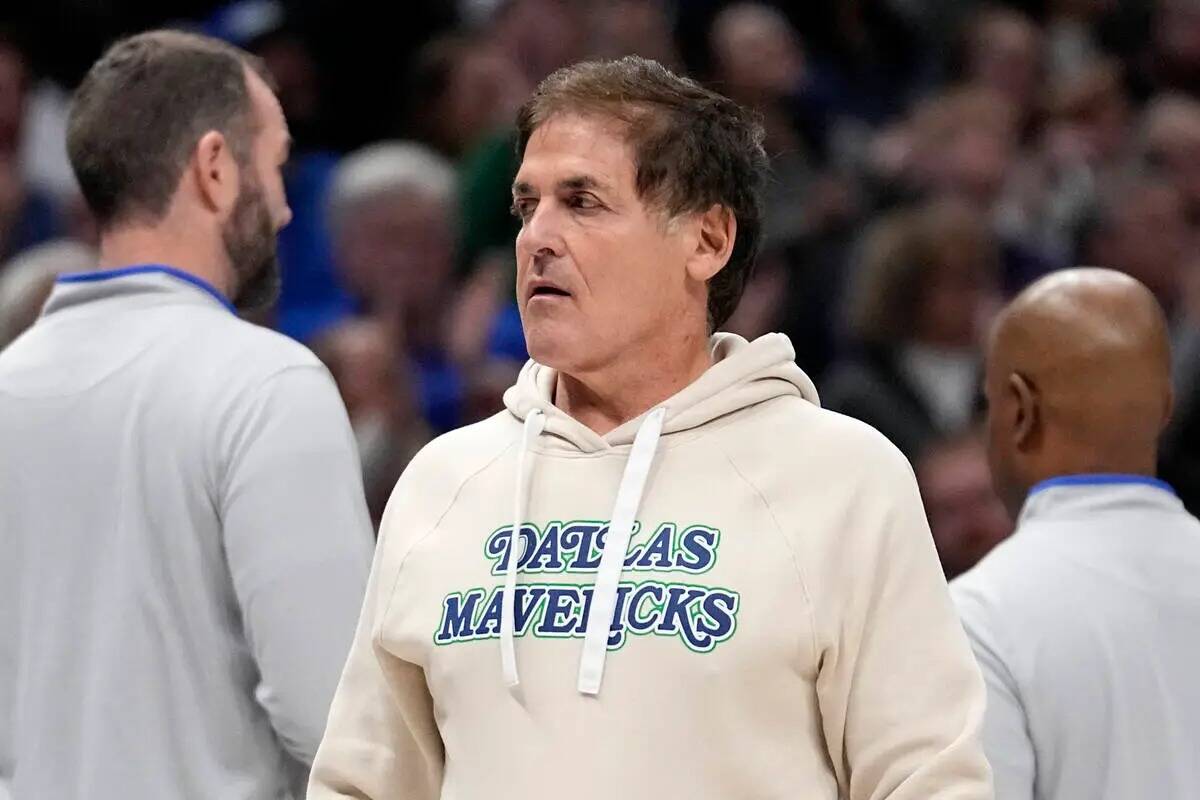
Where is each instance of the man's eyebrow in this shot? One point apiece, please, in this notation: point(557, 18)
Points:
point(575, 182)
point(581, 182)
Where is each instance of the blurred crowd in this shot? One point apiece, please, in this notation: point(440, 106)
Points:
point(931, 158)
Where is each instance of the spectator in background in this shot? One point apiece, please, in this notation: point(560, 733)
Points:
point(1174, 56)
point(361, 356)
point(465, 92)
point(797, 290)
point(966, 517)
point(1048, 178)
point(924, 282)
point(471, 87)
point(539, 36)
point(462, 89)
point(1169, 143)
point(758, 61)
point(27, 215)
point(963, 144)
point(392, 214)
point(392, 220)
point(1089, 113)
point(1139, 226)
point(1082, 143)
point(1002, 52)
point(811, 207)
point(26, 281)
point(633, 27)
point(1072, 28)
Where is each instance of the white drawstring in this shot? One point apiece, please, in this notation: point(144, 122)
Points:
point(612, 562)
point(534, 424)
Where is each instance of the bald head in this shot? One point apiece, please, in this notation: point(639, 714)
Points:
point(1078, 380)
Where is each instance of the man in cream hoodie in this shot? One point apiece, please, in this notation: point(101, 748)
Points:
point(718, 589)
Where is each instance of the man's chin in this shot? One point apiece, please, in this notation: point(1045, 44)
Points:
point(261, 292)
point(554, 347)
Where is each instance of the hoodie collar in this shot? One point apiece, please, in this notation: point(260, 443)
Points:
point(743, 374)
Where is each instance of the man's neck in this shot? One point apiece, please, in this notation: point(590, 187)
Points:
point(132, 245)
point(607, 398)
point(1095, 461)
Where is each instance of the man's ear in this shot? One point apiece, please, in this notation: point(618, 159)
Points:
point(714, 244)
point(1028, 407)
point(216, 173)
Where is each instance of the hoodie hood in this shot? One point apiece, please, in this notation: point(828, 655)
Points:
point(743, 374)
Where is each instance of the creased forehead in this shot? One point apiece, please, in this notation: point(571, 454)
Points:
point(579, 148)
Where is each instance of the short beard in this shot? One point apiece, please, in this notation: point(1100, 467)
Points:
point(250, 244)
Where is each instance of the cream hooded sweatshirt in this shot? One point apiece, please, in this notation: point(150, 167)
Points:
point(771, 618)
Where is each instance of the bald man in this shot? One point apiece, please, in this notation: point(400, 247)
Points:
point(1086, 622)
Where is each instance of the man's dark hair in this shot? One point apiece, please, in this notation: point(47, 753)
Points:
point(693, 149)
point(140, 111)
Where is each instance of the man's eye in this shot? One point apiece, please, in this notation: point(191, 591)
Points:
point(521, 208)
point(583, 201)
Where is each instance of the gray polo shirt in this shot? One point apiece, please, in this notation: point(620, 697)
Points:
point(1086, 623)
point(184, 547)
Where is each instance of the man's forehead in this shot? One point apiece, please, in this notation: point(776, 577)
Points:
point(573, 148)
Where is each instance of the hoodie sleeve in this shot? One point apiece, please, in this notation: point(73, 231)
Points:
point(382, 741)
point(901, 697)
point(297, 540)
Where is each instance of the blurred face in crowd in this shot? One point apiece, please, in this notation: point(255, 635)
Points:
point(12, 97)
point(757, 51)
point(1177, 34)
point(291, 64)
point(541, 35)
point(261, 209)
point(599, 270)
point(1172, 145)
point(973, 166)
point(955, 295)
point(965, 515)
point(1005, 56)
point(363, 361)
point(1149, 238)
point(632, 26)
point(485, 91)
point(398, 248)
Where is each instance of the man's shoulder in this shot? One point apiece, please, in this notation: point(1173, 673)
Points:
point(434, 479)
point(802, 434)
point(247, 349)
point(1010, 584)
point(452, 458)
